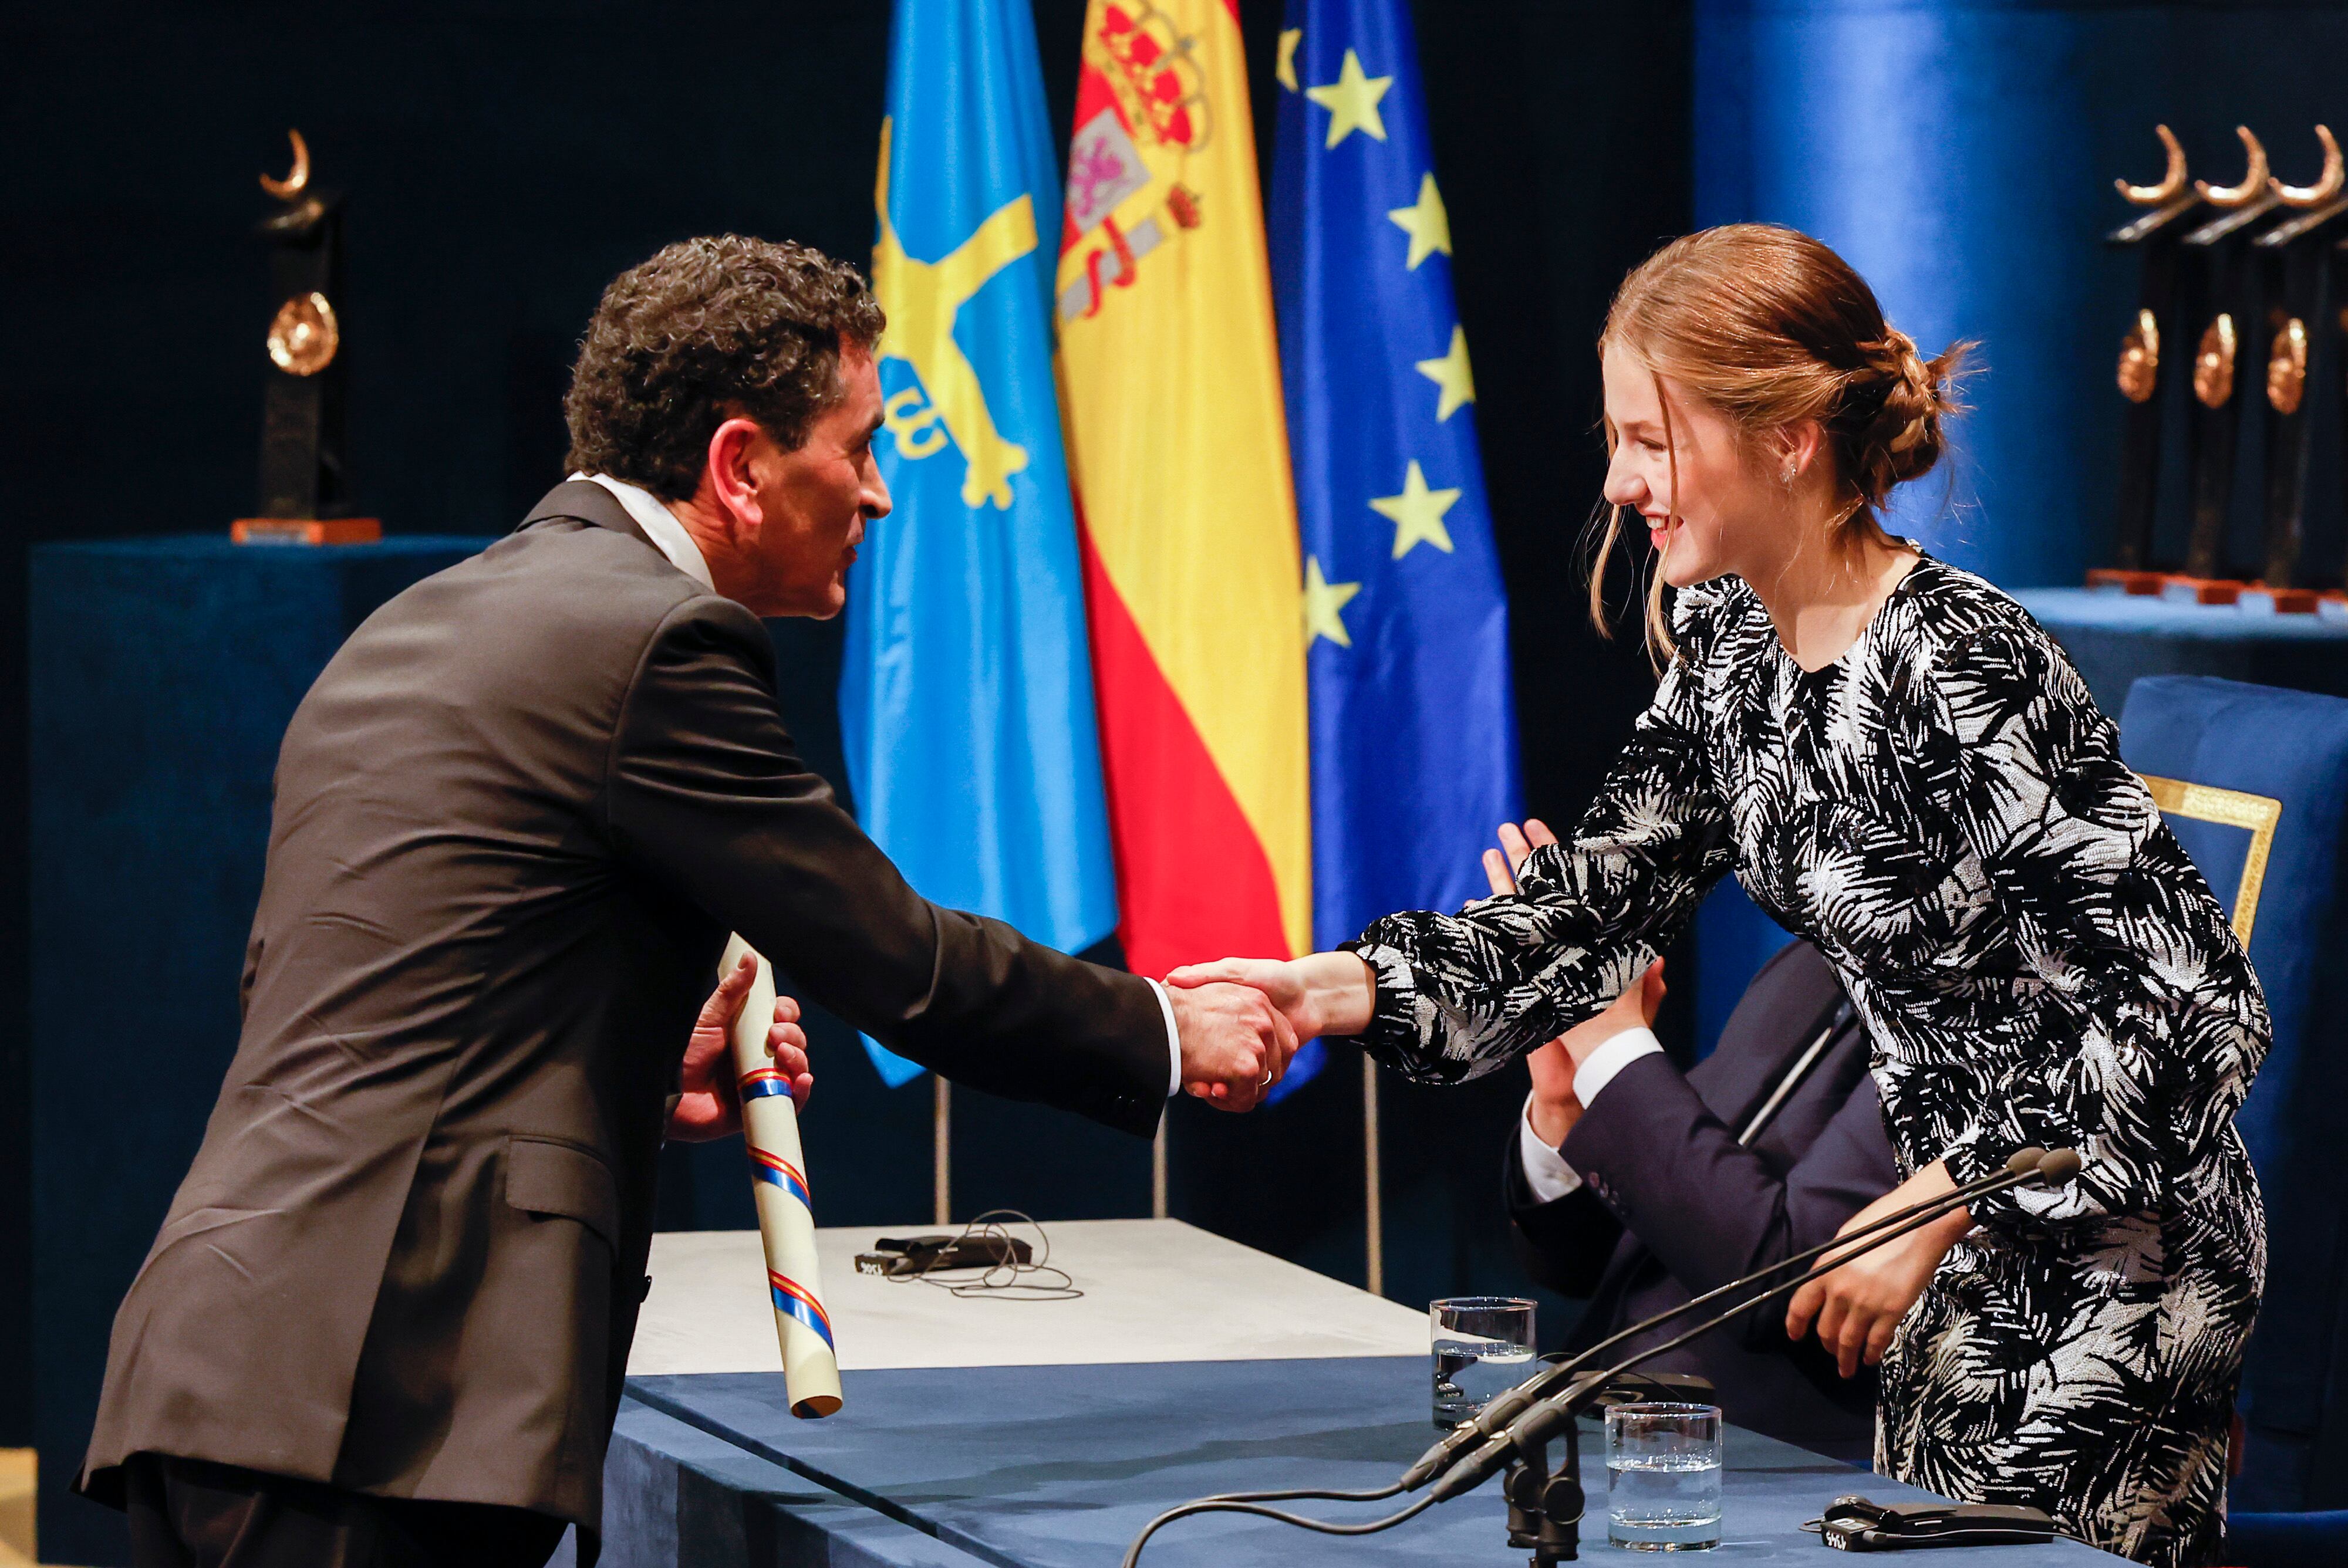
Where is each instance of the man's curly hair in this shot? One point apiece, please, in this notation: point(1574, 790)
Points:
point(709, 330)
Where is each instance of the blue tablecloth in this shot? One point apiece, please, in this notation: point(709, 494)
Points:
point(1059, 1467)
point(2116, 638)
point(677, 1497)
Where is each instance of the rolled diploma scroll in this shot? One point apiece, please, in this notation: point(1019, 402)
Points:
point(770, 1131)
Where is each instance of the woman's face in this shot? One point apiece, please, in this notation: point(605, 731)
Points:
point(1706, 529)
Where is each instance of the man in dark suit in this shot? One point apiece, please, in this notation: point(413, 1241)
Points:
point(387, 1315)
point(1640, 1187)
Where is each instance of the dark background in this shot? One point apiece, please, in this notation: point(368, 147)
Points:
point(502, 161)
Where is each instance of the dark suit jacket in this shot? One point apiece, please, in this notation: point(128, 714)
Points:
point(515, 818)
point(1671, 1205)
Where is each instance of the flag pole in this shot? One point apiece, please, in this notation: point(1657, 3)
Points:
point(1157, 1168)
point(942, 1151)
point(1375, 1210)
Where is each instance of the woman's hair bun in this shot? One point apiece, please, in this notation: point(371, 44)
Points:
point(1911, 398)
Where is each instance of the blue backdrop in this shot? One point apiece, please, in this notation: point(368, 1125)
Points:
point(1960, 154)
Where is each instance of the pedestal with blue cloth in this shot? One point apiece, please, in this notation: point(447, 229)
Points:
point(2118, 638)
point(163, 671)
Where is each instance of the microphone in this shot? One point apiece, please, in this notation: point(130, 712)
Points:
point(1533, 1422)
point(1506, 1407)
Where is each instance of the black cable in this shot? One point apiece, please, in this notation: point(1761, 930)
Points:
point(1936, 1209)
point(1220, 1505)
point(1538, 1386)
point(1004, 1277)
point(1392, 1489)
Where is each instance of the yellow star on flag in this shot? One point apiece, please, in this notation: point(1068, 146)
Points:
point(1352, 101)
point(1323, 600)
point(1450, 372)
point(1286, 68)
point(1417, 513)
point(1427, 224)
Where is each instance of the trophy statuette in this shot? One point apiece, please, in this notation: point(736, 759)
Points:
point(304, 484)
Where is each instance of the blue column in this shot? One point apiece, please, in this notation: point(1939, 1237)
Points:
point(1960, 153)
point(163, 673)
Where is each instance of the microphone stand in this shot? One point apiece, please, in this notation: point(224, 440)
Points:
point(1516, 1426)
point(1545, 1507)
point(1506, 1406)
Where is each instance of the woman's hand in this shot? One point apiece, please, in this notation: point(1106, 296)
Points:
point(710, 1106)
point(1322, 993)
point(1859, 1305)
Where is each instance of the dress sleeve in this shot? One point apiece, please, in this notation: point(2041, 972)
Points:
point(1459, 995)
point(2167, 1024)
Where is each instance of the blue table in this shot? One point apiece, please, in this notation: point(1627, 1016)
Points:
point(2116, 638)
point(1059, 1467)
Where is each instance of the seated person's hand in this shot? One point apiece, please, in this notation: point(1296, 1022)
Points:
point(710, 1106)
point(1554, 1109)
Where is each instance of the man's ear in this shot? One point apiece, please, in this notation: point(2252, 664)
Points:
point(728, 476)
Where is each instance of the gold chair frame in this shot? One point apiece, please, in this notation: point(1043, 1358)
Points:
point(2231, 808)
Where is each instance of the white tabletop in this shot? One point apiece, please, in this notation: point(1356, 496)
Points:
point(1155, 1290)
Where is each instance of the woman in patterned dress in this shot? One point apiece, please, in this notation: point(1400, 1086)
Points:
point(1901, 766)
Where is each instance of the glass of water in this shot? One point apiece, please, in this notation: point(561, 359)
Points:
point(1483, 1346)
point(1663, 1477)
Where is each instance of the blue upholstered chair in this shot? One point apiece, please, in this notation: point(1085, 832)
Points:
point(2254, 782)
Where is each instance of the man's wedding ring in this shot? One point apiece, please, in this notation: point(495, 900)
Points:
point(1265, 1078)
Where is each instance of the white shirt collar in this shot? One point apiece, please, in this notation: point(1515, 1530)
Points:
point(660, 525)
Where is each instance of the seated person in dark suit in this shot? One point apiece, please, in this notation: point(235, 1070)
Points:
point(1638, 1186)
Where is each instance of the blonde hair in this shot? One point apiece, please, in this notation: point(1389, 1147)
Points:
point(1768, 327)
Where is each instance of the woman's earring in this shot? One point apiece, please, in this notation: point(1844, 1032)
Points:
point(1785, 475)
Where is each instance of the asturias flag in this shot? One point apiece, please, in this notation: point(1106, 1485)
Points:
point(1414, 734)
point(1178, 444)
point(966, 695)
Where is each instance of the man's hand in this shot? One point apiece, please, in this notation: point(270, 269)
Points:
point(710, 1106)
point(1321, 993)
point(1235, 1042)
point(1859, 1305)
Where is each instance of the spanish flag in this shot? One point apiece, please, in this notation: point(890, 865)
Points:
point(1178, 448)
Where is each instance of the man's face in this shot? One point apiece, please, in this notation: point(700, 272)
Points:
point(815, 501)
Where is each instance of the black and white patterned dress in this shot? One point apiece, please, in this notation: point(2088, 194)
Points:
point(1944, 813)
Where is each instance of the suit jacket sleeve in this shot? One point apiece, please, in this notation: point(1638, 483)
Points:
point(1564, 1244)
point(1710, 1209)
point(706, 792)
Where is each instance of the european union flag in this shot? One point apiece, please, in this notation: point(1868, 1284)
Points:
point(1413, 732)
point(966, 693)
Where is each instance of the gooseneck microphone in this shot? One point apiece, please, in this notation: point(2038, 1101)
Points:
point(1520, 1422)
point(1506, 1406)
point(1538, 1419)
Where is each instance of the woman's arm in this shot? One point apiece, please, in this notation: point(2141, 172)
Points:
point(1442, 998)
point(2166, 1021)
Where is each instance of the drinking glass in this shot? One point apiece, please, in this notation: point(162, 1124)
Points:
point(1663, 1477)
point(1483, 1346)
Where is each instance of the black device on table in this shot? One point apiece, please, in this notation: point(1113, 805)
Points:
point(902, 1255)
point(1853, 1523)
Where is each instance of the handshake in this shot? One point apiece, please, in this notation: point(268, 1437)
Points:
point(1241, 1019)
